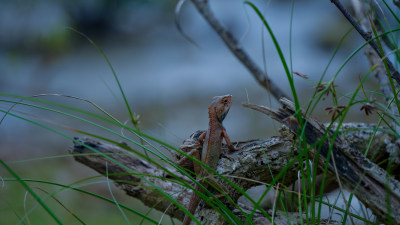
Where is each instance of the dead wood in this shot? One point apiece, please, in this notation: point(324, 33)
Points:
point(145, 181)
point(378, 190)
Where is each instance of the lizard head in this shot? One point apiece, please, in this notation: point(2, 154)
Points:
point(220, 107)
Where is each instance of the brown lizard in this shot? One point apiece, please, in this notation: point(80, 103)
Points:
point(212, 143)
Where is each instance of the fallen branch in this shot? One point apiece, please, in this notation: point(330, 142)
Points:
point(138, 178)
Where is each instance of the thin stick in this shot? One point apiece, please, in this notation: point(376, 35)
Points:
point(230, 41)
point(367, 37)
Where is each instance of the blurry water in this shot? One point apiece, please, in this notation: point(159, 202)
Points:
point(161, 71)
point(167, 80)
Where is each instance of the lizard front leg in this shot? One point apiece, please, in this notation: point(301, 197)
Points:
point(228, 141)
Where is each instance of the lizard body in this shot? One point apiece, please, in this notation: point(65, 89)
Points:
point(212, 143)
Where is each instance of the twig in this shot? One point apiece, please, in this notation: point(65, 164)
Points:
point(230, 41)
point(375, 60)
point(178, 9)
point(367, 37)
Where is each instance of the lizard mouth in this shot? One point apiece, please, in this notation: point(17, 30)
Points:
point(222, 116)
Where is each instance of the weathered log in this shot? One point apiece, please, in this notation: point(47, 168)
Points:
point(141, 179)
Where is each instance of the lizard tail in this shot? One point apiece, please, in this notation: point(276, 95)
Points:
point(194, 202)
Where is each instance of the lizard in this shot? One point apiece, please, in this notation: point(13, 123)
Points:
point(212, 143)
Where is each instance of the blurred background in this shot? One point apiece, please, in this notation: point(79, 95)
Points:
point(168, 81)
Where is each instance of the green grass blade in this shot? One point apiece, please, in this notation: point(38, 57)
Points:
point(112, 120)
point(114, 161)
point(391, 82)
point(114, 199)
point(69, 187)
point(280, 53)
point(113, 72)
point(37, 198)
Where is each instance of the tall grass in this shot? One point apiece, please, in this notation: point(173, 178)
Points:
point(308, 199)
point(307, 202)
